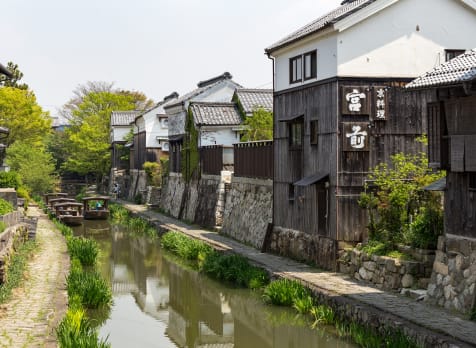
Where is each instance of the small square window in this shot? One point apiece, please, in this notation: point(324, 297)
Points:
point(295, 69)
point(450, 54)
point(310, 65)
point(314, 125)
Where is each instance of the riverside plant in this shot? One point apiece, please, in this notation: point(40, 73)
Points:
point(89, 286)
point(137, 226)
point(76, 330)
point(84, 249)
point(230, 268)
point(284, 292)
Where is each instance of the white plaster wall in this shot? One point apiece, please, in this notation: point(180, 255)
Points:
point(222, 92)
point(119, 132)
point(326, 61)
point(388, 44)
point(218, 136)
point(139, 125)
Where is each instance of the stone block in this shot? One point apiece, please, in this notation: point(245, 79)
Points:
point(407, 281)
point(440, 268)
point(441, 246)
point(370, 266)
point(365, 274)
point(390, 265)
point(441, 257)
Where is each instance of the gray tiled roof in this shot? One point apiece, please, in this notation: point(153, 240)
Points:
point(215, 114)
point(456, 71)
point(322, 22)
point(202, 87)
point(251, 99)
point(123, 118)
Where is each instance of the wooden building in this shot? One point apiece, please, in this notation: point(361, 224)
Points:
point(452, 147)
point(452, 137)
point(340, 108)
point(120, 127)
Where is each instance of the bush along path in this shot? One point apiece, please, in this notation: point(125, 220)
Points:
point(29, 317)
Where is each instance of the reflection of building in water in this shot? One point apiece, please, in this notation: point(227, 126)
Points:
point(136, 270)
point(199, 315)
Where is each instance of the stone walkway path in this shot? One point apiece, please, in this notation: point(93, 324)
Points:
point(446, 328)
point(30, 317)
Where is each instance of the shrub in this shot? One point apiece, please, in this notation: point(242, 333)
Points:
point(10, 179)
point(89, 286)
point(235, 269)
point(393, 202)
point(5, 207)
point(154, 173)
point(84, 249)
point(284, 292)
point(425, 229)
point(183, 246)
point(118, 213)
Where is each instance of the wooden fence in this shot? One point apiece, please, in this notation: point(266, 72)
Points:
point(254, 159)
point(211, 159)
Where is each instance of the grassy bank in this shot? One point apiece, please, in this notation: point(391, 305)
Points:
point(86, 290)
point(16, 269)
point(237, 270)
point(136, 226)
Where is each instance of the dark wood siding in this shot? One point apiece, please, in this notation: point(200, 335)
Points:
point(139, 150)
point(314, 103)
point(460, 205)
point(254, 159)
point(405, 120)
point(211, 158)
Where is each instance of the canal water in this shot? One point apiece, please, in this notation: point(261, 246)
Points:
point(158, 302)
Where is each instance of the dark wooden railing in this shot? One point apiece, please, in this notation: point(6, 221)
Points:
point(254, 159)
point(211, 159)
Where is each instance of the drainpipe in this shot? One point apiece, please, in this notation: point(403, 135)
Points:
point(274, 134)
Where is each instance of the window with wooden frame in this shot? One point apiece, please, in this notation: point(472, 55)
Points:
point(450, 54)
point(295, 69)
point(438, 150)
point(472, 181)
point(296, 133)
point(314, 137)
point(291, 192)
point(310, 65)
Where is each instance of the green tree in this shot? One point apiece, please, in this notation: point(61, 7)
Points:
point(21, 114)
point(259, 126)
point(89, 132)
point(396, 200)
point(57, 143)
point(14, 81)
point(34, 165)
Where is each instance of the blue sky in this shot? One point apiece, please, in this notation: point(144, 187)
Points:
point(153, 46)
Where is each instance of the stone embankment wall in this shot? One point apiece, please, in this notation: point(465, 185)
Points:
point(241, 207)
point(10, 240)
point(453, 280)
point(248, 210)
point(386, 272)
point(196, 201)
point(303, 247)
point(137, 184)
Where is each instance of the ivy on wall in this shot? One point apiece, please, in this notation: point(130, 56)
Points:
point(189, 153)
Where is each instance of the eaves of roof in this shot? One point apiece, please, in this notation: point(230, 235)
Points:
point(324, 22)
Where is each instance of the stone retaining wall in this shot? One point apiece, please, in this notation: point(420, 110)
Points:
point(301, 246)
point(248, 210)
point(137, 184)
point(386, 272)
point(10, 241)
point(12, 218)
point(453, 280)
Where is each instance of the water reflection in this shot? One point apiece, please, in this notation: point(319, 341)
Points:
point(159, 303)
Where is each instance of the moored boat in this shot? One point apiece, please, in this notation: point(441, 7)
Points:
point(69, 213)
point(96, 208)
